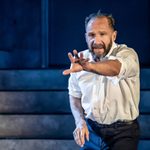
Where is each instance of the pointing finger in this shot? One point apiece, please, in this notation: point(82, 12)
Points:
point(71, 58)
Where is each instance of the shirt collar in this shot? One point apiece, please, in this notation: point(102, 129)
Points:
point(114, 45)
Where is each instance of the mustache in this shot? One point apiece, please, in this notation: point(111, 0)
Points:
point(98, 46)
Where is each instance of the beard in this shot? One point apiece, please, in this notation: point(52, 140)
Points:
point(96, 56)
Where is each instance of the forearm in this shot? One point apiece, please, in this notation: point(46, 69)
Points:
point(76, 108)
point(106, 68)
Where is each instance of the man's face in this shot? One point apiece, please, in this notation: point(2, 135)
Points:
point(99, 36)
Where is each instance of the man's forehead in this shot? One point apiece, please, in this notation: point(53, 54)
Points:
point(98, 21)
point(101, 19)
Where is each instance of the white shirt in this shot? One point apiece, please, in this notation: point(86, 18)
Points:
point(109, 99)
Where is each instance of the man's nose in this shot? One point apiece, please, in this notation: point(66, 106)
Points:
point(97, 40)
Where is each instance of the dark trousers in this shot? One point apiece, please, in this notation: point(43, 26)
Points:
point(117, 136)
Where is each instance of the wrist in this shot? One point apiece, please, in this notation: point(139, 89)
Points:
point(80, 122)
point(89, 66)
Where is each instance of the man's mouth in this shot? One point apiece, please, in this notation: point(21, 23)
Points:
point(98, 46)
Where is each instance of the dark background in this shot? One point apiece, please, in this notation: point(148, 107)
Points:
point(35, 37)
point(37, 34)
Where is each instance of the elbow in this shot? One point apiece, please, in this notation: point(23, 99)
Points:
point(116, 72)
point(113, 73)
point(116, 69)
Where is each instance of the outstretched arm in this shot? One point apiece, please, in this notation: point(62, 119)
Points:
point(106, 68)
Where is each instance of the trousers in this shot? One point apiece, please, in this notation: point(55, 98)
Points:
point(117, 136)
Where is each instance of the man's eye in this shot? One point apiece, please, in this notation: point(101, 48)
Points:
point(102, 34)
point(91, 35)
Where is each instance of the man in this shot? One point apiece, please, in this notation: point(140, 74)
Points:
point(104, 89)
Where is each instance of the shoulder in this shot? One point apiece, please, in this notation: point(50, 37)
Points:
point(122, 49)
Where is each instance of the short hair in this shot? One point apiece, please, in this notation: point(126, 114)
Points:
point(99, 14)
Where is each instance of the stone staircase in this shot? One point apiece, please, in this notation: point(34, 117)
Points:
point(35, 112)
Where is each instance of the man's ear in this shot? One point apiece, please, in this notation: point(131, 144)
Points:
point(114, 35)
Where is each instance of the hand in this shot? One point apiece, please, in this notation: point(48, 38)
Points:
point(75, 66)
point(81, 133)
point(77, 63)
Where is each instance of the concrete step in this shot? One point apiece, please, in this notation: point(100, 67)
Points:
point(50, 144)
point(49, 102)
point(46, 80)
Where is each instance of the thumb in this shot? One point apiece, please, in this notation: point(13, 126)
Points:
point(67, 72)
point(87, 135)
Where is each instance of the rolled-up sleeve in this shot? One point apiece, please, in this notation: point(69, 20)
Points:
point(129, 63)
